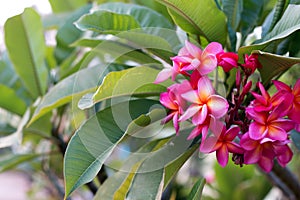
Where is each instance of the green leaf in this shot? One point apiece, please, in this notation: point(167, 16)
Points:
point(107, 22)
point(252, 10)
point(273, 65)
point(130, 82)
point(118, 180)
point(159, 167)
point(13, 160)
point(288, 24)
point(66, 5)
point(233, 10)
point(296, 139)
point(10, 101)
point(200, 17)
point(65, 91)
point(67, 34)
point(144, 16)
point(197, 189)
point(26, 46)
point(94, 141)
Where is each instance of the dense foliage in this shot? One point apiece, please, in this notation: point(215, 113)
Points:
point(133, 91)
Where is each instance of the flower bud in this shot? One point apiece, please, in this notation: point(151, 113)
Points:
point(227, 60)
point(251, 64)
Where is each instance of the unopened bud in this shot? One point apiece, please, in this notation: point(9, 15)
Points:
point(238, 78)
point(247, 87)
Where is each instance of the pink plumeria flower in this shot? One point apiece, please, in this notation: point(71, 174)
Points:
point(264, 151)
point(294, 109)
point(174, 102)
point(223, 144)
point(204, 103)
point(191, 57)
point(227, 60)
point(267, 125)
point(265, 102)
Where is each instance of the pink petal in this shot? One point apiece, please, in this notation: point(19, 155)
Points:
point(166, 101)
point(208, 64)
point(294, 113)
point(281, 86)
point(276, 133)
point(284, 124)
point(210, 144)
point(222, 155)
point(231, 133)
point(253, 156)
point(193, 49)
point(205, 88)
point(175, 123)
point(217, 106)
point(286, 155)
point(212, 48)
point(191, 111)
point(264, 93)
point(266, 163)
point(260, 117)
point(195, 132)
point(216, 126)
point(191, 96)
point(195, 76)
point(234, 148)
point(257, 131)
point(247, 143)
point(200, 116)
point(163, 75)
point(167, 118)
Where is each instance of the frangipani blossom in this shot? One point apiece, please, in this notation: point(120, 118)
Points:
point(191, 57)
point(251, 63)
point(174, 102)
point(294, 110)
point(267, 125)
point(264, 151)
point(265, 102)
point(222, 144)
point(204, 103)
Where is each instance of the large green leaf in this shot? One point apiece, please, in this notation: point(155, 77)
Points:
point(66, 90)
point(144, 16)
point(26, 46)
point(233, 10)
point(288, 24)
point(201, 17)
point(273, 65)
point(94, 141)
point(66, 5)
point(119, 183)
point(10, 101)
point(252, 10)
point(107, 22)
point(159, 167)
point(67, 34)
point(130, 82)
point(196, 192)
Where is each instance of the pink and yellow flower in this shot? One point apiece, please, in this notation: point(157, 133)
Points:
point(223, 144)
point(204, 103)
point(264, 151)
point(267, 125)
point(191, 57)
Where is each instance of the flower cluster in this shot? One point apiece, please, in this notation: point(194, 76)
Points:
point(255, 133)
